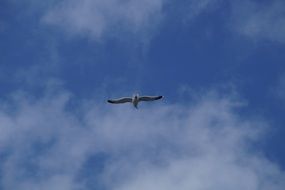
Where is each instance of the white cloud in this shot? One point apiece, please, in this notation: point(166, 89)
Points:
point(260, 21)
point(46, 145)
point(96, 18)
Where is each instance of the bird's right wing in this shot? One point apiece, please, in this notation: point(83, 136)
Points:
point(120, 100)
point(149, 98)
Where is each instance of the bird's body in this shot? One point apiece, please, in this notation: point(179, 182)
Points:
point(134, 100)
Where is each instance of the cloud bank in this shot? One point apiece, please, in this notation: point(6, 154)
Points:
point(95, 18)
point(49, 144)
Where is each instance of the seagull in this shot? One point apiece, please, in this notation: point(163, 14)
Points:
point(134, 100)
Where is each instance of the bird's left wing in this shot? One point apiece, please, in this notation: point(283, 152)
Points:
point(149, 98)
point(120, 100)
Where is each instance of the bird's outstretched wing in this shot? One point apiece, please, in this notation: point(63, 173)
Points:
point(120, 100)
point(149, 98)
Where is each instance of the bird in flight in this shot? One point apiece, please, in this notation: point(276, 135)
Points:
point(134, 100)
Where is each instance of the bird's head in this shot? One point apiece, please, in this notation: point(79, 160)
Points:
point(136, 96)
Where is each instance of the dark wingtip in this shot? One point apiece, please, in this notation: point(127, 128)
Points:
point(158, 97)
point(109, 101)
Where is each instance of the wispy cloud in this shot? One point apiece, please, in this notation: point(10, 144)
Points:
point(47, 145)
point(255, 20)
point(96, 18)
point(260, 21)
point(196, 7)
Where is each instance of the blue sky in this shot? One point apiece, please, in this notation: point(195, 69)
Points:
point(218, 63)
